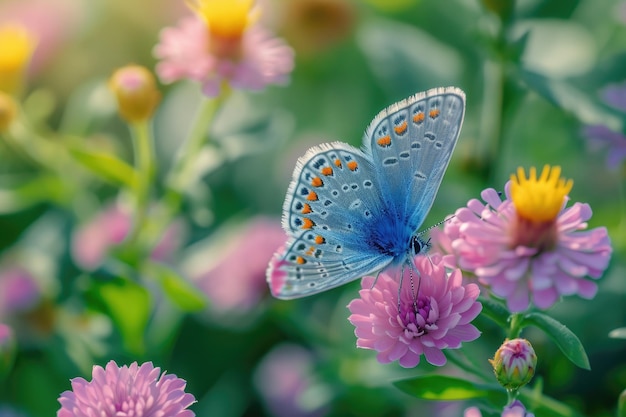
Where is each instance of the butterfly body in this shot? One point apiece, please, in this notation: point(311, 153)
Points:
point(352, 212)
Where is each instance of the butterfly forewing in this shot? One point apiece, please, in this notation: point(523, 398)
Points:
point(411, 143)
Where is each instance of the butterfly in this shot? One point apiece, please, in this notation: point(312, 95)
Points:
point(353, 212)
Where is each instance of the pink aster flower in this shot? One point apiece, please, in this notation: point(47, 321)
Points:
point(602, 137)
point(134, 390)
point(432, 315)
point(223, 44)
point(530, 245)
point(236, 281)
point(19, 291)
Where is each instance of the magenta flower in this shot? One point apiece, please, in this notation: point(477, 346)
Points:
point(92, 241)
point(138, 391)
point(236, 282)
point(514, 363)
point(222, 44)
point(603, 137)
point(529, 245)
point(436, 315)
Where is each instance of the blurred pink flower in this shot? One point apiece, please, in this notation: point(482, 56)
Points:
point(437, 317)
point(19, 291)
point(519, 256)
point(602, 137)
point(222, 44)
point(236, 282)
point(284, 377)
point(127, 391)
point(91, 242)
point(515, 409)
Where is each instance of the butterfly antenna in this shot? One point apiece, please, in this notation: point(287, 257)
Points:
point(400, 286)
point(447, 219)
point(414, 295)
point(375, 279)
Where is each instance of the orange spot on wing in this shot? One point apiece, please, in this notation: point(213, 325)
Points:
point(312, 196)
point(317, 182)
point(307, 223)
point(433, 113)
point(327, 171)
point(306, 209)
point(310, 250)
point(384, 141)
point(319, 239)
point(300, 260)
point(418, 117)
point(352, 165)
point(338, 163)
point(401, 129)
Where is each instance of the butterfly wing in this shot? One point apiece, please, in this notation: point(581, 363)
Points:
point(330, 203)
point(411, 143)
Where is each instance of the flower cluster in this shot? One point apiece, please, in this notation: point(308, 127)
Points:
point(425, 321)
point(528, 246)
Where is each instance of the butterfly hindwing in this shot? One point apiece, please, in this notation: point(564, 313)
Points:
point(332, 198)
point(411, 143)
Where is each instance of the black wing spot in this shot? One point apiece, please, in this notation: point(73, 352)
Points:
point(304, 191)
point(438, 145)
point(430, 136)
point(328, 203)
point(335, 193)
point(405, 155)
point(390, 161)
point(354, 186)
point(299, 205)
point(367, 183)
point(416, 145)
point(420, 175)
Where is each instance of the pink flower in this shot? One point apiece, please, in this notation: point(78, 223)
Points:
point(285, 378)
point(221, 44)
point(603, 137)
point(515, 409)
point(114, 391)
point(236, 282)
point(92, 242)
point(433, 314)
point(529, 245)
point(19, 291)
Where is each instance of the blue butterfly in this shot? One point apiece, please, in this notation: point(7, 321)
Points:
point(354, 212)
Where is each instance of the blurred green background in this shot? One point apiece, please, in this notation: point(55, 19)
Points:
point(532, 71)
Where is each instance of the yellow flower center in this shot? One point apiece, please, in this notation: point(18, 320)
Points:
point(16, 49)
point(539, 199)
point(226, 19)
point(537, 202)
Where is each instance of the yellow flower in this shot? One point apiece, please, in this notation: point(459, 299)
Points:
point(8, 111)
point(537, 202)
point(16, 49)
point(226, 21)
point(136, 92)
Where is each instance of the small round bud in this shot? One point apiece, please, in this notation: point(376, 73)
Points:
point(514, 363)
point(135, 89)
point(8, 111)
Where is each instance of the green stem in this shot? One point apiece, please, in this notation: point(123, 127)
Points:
point(144, 165)
point(180, 174)
point(492, 115)
point(515, 325)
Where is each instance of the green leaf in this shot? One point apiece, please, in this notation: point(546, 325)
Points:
point(495, 311)
point(128, 305)
point(565, 339)
point(106, 166)
point(178, 289)
point(442, 388)
point(619, 333)
point(587, 108)
point(20, 194)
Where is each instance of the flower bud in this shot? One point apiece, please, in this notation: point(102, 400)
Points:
point(7, 349)
point(135, 89)
point(8, 111)
point(514, 363)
